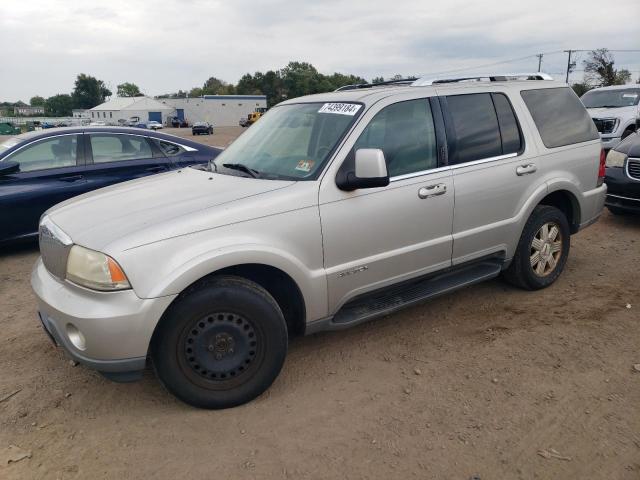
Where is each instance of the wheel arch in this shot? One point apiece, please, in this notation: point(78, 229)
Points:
point(567, 202)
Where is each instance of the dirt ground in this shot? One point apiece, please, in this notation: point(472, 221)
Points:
point(489, 381)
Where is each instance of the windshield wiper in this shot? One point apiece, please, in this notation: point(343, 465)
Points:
point(242, 168)
point(608, 106)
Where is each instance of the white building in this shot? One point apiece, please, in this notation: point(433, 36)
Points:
point(219, 110)
point(126, 108)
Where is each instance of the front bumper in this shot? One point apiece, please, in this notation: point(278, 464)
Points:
point(609, 141)
point(624, 192)
point(115, 328)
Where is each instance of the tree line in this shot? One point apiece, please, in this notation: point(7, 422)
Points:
point(294, 80)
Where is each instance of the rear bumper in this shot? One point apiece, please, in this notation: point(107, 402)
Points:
point(108, 332)
point(592, 205)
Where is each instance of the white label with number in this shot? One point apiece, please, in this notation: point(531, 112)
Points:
point(340, 108)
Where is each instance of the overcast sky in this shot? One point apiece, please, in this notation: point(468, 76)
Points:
point(166, 45)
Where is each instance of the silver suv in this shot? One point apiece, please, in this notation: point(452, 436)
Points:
point(330, 211)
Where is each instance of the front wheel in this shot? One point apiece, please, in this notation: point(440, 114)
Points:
point(220, 345)
point(542, 251)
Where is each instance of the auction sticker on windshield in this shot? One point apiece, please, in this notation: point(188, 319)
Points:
point(340, 108)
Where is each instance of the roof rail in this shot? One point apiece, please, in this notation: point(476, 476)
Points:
point(392, 83)
point(492, 77)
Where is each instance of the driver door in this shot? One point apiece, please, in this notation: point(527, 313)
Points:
point(379, 236)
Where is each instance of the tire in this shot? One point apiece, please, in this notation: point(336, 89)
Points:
point(552, 252)
point(221, 345)
point(617, 211)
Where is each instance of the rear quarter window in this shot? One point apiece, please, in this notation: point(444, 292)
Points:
point(559, 116)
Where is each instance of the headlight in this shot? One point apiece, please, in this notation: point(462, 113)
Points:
point(608, 125)
point(615, 159)
point(95, 270)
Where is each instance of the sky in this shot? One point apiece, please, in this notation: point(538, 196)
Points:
point(167, 45)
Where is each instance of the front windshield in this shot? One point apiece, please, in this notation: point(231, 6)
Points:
point(291, 141)
point(620, 97)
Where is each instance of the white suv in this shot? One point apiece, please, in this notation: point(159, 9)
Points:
point(614, 110)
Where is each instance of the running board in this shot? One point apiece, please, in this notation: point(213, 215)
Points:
point(391, 299)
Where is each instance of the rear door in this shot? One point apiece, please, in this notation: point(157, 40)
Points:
point(494, 169)
point(117, 157)
point(51, 171)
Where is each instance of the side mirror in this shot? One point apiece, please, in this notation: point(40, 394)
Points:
point(8, 167)
point(370, 170)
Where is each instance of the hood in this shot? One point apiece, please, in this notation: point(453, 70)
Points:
point(630, 146)
point(620, 112)
point(155, 207)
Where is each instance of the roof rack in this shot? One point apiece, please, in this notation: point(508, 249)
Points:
point(492, 77)
point(391, 83)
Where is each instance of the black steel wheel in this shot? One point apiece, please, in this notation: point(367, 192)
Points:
point(220, 347)
point(221, 344)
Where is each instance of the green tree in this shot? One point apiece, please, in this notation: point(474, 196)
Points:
point(37, 101)
point(128, 89)
point(299, 78)
point(377, 80)
point(599, 69)
point(59, 105)
point(215, 86)
point(581, 88)
point(89, 92)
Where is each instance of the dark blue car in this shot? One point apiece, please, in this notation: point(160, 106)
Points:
point(40, 169)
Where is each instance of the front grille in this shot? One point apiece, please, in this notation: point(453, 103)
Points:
point(605, 125)
point(633, 168)
point(54, 248)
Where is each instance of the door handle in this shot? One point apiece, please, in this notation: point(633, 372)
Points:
point(432, 190)
point(71, 178)
point(526, 169)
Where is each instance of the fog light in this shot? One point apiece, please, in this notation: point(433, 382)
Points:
point(76, 337)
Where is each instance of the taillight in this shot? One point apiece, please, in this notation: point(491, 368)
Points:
point(601, 169)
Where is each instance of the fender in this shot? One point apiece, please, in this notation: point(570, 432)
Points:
point(189, 268)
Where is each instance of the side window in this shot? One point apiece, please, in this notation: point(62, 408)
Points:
point(405, 132)
point(168, 148)
point(476, 127)
point(509, 128)
point(108, 147)
point(56, 152)
point(559, 116)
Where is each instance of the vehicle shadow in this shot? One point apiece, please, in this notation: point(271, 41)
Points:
point(25, 247)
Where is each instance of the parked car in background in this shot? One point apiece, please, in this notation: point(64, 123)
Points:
point(330, 211)
point(7, 128)
point(614, 110)
point(623, 176)
point(40, 169)
point(202, 128)
point(179, 123)
point(153, 125)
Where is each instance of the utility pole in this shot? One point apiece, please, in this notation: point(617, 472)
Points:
point(568, 64)
point(540, 55)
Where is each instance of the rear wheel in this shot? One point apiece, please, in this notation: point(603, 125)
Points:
point(542, 250)
point(220, 345)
